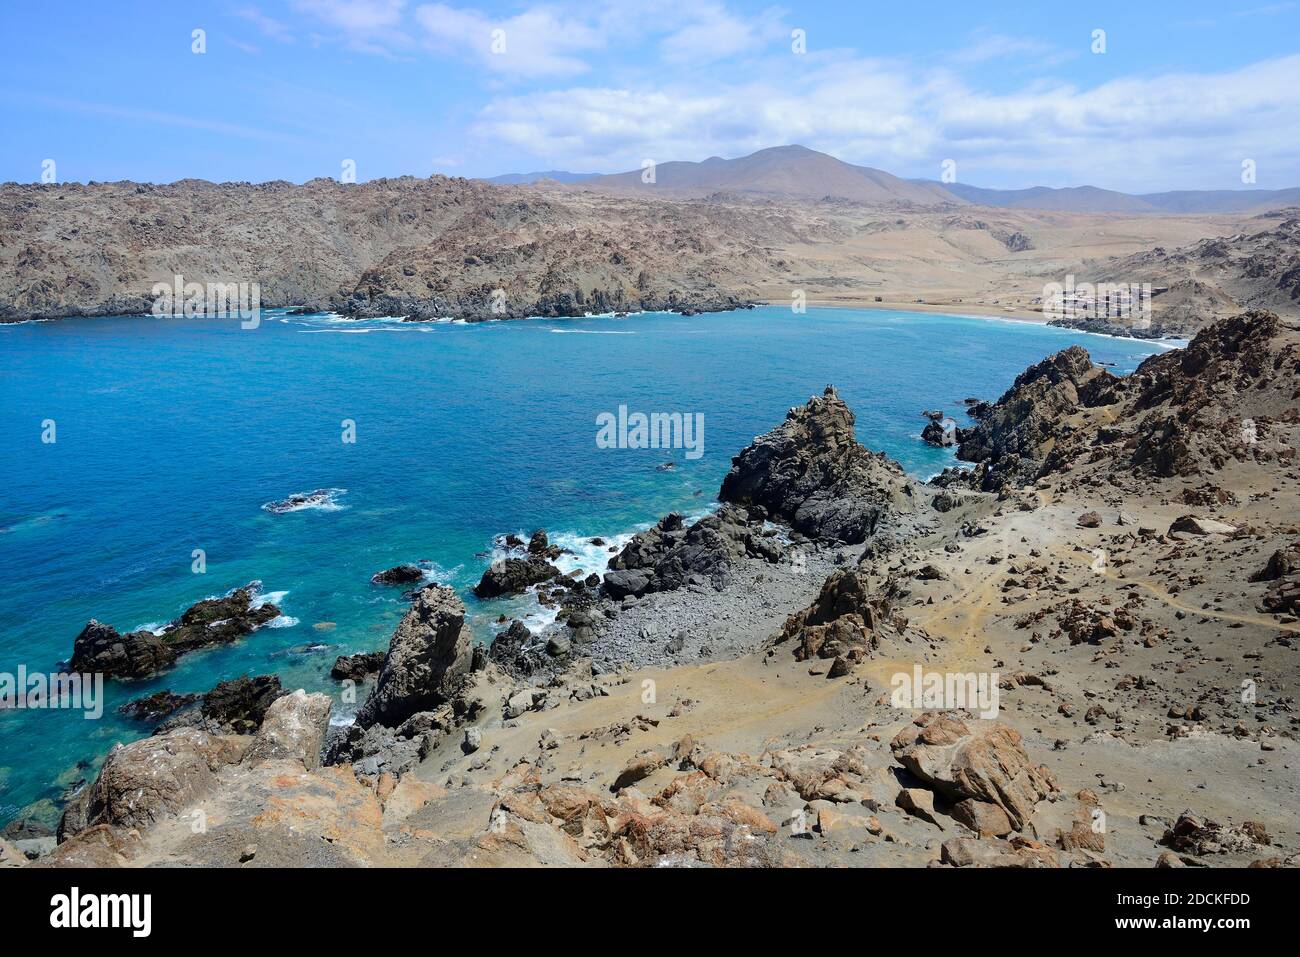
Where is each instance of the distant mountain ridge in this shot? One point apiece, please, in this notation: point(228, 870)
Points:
point(800, 172)
point(524, 179)
point(1091, 199)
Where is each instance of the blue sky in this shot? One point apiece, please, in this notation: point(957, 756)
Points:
point(1011, 92)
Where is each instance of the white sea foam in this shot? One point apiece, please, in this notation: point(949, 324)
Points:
point(268, 598)
point(321, 499)
point(282, 621)
point(595, 332)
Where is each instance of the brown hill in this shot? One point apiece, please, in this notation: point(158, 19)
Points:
point(779, 171)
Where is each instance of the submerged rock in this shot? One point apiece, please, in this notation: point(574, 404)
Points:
point(358, 667)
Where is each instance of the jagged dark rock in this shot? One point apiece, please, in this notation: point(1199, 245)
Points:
point(672, 554)
point(406, 574)
point(811, 473)
point(429, 651)
point(848, 619)
point(237, 706)
point(213, 621)
point(157, 706)
point(510, 576)
point(1010, 444)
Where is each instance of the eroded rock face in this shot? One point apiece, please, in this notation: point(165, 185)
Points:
point(429, 650)
point(147, 780)
point(213, 621)
point(978, 760)
point(811, 473)
point(671, 554)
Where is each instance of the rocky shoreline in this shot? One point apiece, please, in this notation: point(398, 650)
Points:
point(1120, 560)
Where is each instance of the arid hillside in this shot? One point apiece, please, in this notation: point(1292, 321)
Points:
point(443, 247)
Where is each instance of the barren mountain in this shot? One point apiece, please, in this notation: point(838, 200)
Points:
point(786, 171)
point(1091, 199)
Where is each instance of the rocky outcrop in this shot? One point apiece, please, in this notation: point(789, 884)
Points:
point(1184, 412)
point(1199, 407)
point(99, 648)
point(672, 554)
point(147, 780)
point(1011, 443)
point(237, 706)
point(430, 649)
point(157, 706)
point(847, 621)
point(517, 651)
point(811, 473)
point(510, 576)
point(978, 761)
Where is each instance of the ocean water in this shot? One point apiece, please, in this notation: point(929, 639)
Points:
point(172, 434)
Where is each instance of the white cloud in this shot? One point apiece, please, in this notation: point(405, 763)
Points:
point(537, 42)
point(367, 26)
point(269, 26)
point(1156, 132)
point(712, 33)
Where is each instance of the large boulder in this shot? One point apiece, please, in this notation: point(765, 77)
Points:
point(294, 729)
point(981, 761)
point(429, 651)
point(811, 473)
